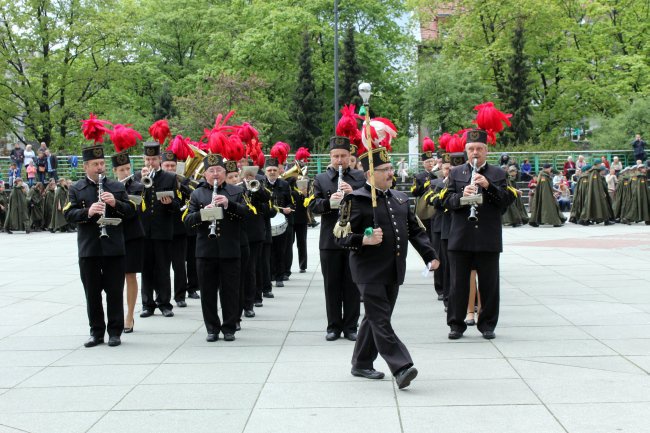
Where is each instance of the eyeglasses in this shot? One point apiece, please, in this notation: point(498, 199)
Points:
point(386, 170)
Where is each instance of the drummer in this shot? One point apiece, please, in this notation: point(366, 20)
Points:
point(281, 200)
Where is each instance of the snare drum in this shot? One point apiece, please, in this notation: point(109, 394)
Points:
point(278, 224)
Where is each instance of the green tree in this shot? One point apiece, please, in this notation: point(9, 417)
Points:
point(164, 109)
point(306, 106)
point(351, 71)
point(518, 102)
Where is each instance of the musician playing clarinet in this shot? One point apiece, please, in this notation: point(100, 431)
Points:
point(475, 234)
point(342, 301)
point(101, 259)
point(218, 253)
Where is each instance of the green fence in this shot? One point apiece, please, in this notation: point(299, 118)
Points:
point(319, 162)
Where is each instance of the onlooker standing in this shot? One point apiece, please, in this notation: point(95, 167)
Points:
point(612, 182)
point(41, 166)
point(604, 161)
point(581, 163)
point(639, 148)
point(42, 147)
point(525, 170)
point(31, 173)
point(29, 155)
point(569, 167)
point(51, 164)
point(13, 174)
point(616, 165)
point(17, 156)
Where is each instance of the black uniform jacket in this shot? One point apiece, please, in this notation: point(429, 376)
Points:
point(421, 183)
point(325, 184)
point(384, 263)
point(227, 243)
point(437, 185)
point(444, 215)
point(484, 234)
point(298, 200)
point(183, 192)
point(255, 221)
point(81, 196)
point(157, 218)
point(133, 227)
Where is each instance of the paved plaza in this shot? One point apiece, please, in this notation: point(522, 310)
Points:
point(572, 352)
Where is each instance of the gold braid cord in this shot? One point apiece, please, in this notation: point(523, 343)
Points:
point(342, 227)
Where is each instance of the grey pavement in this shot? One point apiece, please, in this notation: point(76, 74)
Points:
point(572, 352)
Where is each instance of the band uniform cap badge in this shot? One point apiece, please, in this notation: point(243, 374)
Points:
point(474, 135)
point(213, 159)
point(98, 152)
point(353, 149)
point(383, 155)
point(150, 151)
point(231, 166)
point(170, 156)
point(428, 154)
point(339, 141)
point(122, 158)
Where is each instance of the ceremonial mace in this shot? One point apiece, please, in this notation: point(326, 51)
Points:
point(365, 90)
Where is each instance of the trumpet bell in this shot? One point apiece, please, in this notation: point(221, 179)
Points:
point(294, 171)
point(194, 165)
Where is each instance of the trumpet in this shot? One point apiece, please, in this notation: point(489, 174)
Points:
point(100, 190)
point(213, 225)
point(147, 180)
point(251, 185)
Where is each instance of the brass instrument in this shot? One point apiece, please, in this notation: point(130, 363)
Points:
point(102, 226)
point(194, 165)
point(251, 185)
point(213, 225)
point(295, 171)
point(147, 180)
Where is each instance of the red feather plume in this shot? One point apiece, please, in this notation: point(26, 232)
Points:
point(302, 154)
point(443, 141)
point(347, 126)
point(280, 152)
point(94, 128)
point(181, 147)
point(456, 144)
point(428, 145)
point(124, 137)
point(490, 119)
point(260, 160)
point(247, 133)
point(159, 131)
point(235, 149)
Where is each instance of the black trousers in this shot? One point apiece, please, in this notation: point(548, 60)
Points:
point(288, 249)
point(219, 277)
point(300, 234)
point(376, 334)
point(253, 276)
point(342, 301)
point(103, 274)
point(155, 274)
point(461, 264)
point(265, 260)
point(437, 275)
point(245, 271)
point(179, 256)
point(278, 252)
point(443, 257)
point(192, 279)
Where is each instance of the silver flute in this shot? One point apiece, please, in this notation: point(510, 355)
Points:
point(213, 225)
point(100, 190)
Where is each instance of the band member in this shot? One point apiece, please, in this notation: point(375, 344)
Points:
point(378, 265)
point(101, 248)
point(475, 243)
point(218, 252)
point(157, 215)
point(300, 191)
point(133, 235)
point(179, 243)
point(422, 181)
point(436, 200)
point(281, 199)
point(342, 301)
point(435, 229)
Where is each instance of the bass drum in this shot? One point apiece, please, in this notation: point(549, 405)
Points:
point(278, 224)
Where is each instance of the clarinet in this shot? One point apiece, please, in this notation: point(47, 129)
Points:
point(213, 225)
point(472, 210)
point(340, 177)
point(100, 190)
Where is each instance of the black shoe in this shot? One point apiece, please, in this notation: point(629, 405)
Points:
point(211, 338)
point(258, 304)
point(441, 297)
point(94, 341)
point(331, 336)
point(129, 330)
point(368, 373)
point(269, 294)
point(146, 313)
point(352, 336)
point(167, 313)
point(454, 335)
point(181, 304)
point(229, 337)
point(489, 335)
point(9, 232)
point(193, 295)
point(249, 313)
point(302, 271)
point(404, 377)
point(609, 222)
point(285, 278)
point(532, 224)
point(279, 284)
point(557, 225)
point(238, 327)
point(114, 341)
